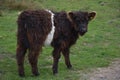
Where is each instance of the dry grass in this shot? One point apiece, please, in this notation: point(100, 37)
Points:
point(19, 4)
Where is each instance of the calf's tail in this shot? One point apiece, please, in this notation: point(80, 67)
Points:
point(22, 38)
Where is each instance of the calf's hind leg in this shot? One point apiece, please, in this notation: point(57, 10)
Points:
point(33, 59)
point(20, 54)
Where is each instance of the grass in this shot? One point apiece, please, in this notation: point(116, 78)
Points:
point(96, 49)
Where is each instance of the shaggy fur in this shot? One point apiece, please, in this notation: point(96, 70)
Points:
point(33, 28)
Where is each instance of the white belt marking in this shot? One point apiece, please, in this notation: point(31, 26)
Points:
point(51, 34)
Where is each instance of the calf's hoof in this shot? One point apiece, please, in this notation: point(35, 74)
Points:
point(55, 72)
point(69, 66)
point(36, 74)
point(21, 75)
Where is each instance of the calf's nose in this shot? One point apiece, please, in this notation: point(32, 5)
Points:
point(84, 30)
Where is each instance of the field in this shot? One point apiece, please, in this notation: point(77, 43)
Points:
point(98, 48)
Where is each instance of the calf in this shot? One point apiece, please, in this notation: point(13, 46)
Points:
point(44, 27)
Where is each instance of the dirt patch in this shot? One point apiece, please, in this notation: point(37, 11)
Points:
point(7, 56)
point(111, 72)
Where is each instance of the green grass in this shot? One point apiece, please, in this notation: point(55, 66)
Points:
point(96, 49)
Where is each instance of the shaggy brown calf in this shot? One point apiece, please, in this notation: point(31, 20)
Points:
point(43, 27)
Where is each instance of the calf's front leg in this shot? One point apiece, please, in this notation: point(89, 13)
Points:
point(56, 57)
point(65, 53)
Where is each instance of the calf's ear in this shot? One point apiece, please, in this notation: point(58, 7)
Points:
point(71, 14)
point(91, 15)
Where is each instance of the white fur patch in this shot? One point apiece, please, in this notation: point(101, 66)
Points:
point(51, 34)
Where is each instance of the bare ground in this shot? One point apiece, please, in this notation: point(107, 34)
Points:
point(112, 72)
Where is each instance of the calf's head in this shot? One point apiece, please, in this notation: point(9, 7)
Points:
point(81, 20)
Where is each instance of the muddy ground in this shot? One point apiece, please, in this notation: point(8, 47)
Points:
point(112, 72)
